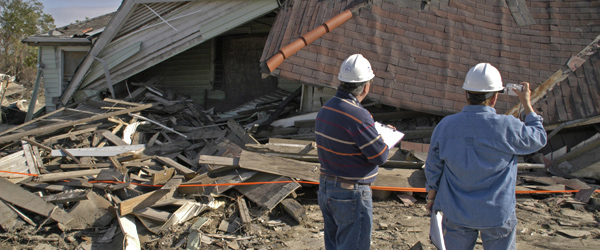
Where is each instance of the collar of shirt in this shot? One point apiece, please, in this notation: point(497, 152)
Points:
point(478, 108)
point(347, 95)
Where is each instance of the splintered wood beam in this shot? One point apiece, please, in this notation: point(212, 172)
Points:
point(573, 64)
point(33, 142)
point(67, 153)
point(280, 166)
point(218, 160)
point(145, 200)
point(142, 201)
point(295, 209)
point(18, 196)
point(114, 139)
point(238, 130)
point(67, 175)
point(171, 163)
point(32, 121)
point(243, 208)
point(55, 127)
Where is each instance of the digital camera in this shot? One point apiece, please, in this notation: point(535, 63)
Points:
point(508, 89)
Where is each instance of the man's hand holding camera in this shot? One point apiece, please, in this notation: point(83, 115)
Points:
point(524, 95)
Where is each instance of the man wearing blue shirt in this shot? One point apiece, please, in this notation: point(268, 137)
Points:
point(471, 168)
point(350, 150)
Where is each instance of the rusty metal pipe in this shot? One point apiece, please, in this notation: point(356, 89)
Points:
point(307, 39)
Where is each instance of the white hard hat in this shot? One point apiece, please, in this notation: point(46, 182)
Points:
point(483, 77)
point(356, 68)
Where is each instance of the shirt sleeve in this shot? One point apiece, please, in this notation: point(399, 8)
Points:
point(434, 167)
point(370, 142)
point(532, 136)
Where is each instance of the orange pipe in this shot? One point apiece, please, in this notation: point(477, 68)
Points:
point(307, 39)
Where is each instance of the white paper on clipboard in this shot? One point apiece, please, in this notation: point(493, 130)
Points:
point(435, 231)
point(391, 137)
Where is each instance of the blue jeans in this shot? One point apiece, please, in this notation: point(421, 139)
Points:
point(461, 237)
point(347, 213)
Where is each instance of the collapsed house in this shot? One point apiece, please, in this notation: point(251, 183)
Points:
point(162, 104)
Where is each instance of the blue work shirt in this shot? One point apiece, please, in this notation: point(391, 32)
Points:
point(472, 163)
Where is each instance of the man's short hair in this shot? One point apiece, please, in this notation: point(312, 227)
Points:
point(354, 88)
point(478, 98)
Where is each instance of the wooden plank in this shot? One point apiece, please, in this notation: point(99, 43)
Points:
point(55, 127)
point(154, 214)
point(94, 165)
point(268, 195)
point(32, 121)
point(142, 201)
point(67, 153)
point(69, 196)
point(102, 152)
point(243, 209)
point(49, 187)
point(191, 187)
point(18, 196)
point(520, 12)
point(8, 220)
point(33, 142)
point(67, 175)
point(162, 176)
point(218, 160)
point(284, 148)
point(171, 163)
point(238, 130)
point(128, 227)
point(114, 139)
point(295, 209)
point(280, 166)
point(145, 200)
point(96, 211)
point(398, 177)
point(54, 139)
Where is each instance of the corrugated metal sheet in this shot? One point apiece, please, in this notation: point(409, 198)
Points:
point(189, 24)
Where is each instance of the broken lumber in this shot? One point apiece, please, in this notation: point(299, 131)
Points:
point(280, 166)
point(67, 175)
point(103, 151)
point(18, 196)
point(54, 127)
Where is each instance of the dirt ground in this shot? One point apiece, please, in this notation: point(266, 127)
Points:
point(545, 222)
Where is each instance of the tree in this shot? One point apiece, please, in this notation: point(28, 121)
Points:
point(19, 19)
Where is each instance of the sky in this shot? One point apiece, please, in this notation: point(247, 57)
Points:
point(66, 12)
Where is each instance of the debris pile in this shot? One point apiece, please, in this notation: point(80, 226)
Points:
point(153, 170)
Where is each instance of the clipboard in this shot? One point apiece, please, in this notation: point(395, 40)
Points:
point(390, 136)
point(435, 231)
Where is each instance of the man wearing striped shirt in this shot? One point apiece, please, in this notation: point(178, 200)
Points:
point(350, 150)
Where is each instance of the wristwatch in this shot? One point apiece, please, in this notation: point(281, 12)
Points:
point(429, 200)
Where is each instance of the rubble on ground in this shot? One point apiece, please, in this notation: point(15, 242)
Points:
point(155, 171)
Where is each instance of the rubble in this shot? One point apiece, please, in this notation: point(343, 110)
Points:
point(148, 172)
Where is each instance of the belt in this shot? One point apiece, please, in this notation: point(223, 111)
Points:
point(342, 180)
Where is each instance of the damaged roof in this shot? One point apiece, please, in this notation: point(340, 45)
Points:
point(78, 33)
point(421, 52)
point(144, 33)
